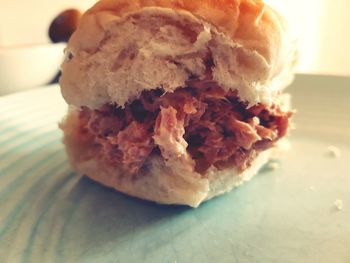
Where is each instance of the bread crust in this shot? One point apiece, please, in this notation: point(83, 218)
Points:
point(251, 22)
point(115, 54)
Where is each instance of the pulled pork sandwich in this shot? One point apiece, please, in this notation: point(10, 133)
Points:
point(176, 101)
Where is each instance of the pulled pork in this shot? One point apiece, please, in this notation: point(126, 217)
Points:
point(212, 125)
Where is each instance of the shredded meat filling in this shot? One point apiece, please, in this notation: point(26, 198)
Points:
point(213, 126)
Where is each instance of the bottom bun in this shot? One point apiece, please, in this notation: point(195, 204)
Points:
point(158, 180)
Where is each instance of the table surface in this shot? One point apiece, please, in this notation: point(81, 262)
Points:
point(49, 214)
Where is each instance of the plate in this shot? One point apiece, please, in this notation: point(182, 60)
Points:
point(299, 212)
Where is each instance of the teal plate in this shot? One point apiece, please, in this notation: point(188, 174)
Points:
point(49, 214)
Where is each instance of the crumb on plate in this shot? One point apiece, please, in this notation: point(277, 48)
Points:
point(272, 166)
point(338, 204)
point(333, 152)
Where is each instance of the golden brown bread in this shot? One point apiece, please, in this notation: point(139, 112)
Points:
point(246, 41)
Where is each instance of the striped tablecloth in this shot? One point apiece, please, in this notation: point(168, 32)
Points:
point(33, 168)
point(299, 212)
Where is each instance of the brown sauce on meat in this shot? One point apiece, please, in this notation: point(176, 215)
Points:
point(219, 129)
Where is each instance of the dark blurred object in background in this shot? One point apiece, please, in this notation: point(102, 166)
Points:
point(62, 27)
point(64, 24)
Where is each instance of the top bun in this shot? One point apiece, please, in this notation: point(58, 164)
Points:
point(123, 47)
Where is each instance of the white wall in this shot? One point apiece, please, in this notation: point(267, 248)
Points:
point(322, 26)
point(27, 21)
point(323, 30)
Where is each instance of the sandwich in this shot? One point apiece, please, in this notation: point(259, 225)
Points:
point(176, 101)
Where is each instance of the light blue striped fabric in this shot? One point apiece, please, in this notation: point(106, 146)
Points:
point(33, 165)
point(49, 214)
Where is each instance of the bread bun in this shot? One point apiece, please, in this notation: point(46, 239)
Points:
point(125, 47)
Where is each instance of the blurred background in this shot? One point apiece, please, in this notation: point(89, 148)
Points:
point(322, 27)
point(323, 31)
